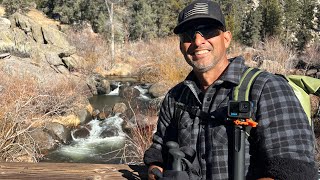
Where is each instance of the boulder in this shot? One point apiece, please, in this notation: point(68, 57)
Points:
point(42, 42)
point(84, 116)
point(53, 59)
point(73, 62)
point(159, 89)
point(5, 24)
point(110, 132)
point(44, 140)
point(59, 132)
point(57, 38)
point(103, 86)
point(81, 133)
point(119, 108)
point(98, 85)
point(62, 69)
point(128, 92)
point(311, 72)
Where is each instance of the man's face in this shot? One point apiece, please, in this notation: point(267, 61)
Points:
point(204, 47)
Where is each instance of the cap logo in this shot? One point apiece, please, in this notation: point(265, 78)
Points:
point(198, 8)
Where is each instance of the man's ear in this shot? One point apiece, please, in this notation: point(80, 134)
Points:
point(227, 38)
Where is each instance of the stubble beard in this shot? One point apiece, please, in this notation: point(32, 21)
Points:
point(202, 68)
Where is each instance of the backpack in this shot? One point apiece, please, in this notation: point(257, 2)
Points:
point(301, 85)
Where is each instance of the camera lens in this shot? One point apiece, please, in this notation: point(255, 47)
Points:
point(244, 107)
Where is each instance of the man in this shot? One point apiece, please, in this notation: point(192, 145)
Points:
point(281, 147)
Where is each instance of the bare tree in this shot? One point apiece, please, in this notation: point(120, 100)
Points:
point(110, 12)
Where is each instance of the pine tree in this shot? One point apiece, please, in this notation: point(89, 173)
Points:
point(271, 18)
point(251, 27)
point(306, 24)
point(234, 11)
point(13, 6)
point(292, 12)
point(143, 24)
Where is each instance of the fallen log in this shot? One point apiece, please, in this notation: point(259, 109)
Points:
point(71, 171)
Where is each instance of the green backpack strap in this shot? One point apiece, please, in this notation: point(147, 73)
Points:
point(302, 87)
point(241, 92)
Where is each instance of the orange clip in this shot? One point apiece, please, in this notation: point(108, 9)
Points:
point(248, 122)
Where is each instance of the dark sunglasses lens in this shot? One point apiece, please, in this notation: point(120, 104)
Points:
point(210, 33)
point(206, 32)
point(186, 37)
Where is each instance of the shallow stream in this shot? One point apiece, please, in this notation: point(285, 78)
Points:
point(96, 148)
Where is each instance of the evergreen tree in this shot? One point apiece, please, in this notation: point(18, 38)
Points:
point(15, 5)
point(251, 27)
point(143, 22)
point(271, 17)
point(306, 23)
point(234, 11)
point(292, 12)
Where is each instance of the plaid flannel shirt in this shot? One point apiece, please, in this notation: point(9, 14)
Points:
point(282, 146)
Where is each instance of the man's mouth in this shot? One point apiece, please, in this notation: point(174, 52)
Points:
point(201, 52)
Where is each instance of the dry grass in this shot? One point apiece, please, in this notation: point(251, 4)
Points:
point(40, 17)
point(92, 47)
point(277, 57)
point(27, 104)
point(139, 138)
point(158, 60)
point(312, 54)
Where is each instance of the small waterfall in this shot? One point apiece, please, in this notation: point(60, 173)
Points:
point(143, 92)
point(101, 141)
point(115, 92)
point(101, 145)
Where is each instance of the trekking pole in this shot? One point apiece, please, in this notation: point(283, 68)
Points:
point(239, 147)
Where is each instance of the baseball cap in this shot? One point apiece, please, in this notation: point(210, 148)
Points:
point(200, 12)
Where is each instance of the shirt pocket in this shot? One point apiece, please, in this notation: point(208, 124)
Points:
point(219, 136)
point(184, 130)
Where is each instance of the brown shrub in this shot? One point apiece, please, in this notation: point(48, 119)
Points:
point(26, 104)
point(92, 47)
point(312, 54)
point(281, 55)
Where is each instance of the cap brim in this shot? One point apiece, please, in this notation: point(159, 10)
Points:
point(194, 21)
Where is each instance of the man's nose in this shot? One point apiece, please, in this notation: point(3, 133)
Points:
point(198, 38)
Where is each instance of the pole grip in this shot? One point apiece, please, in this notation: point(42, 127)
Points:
point(239, 153)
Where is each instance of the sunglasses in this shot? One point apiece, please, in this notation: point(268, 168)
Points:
point(204, 30)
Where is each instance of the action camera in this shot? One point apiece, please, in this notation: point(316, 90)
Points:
point(240, 109)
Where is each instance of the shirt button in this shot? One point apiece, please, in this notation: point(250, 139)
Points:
point(209, 98)
point(203, 156)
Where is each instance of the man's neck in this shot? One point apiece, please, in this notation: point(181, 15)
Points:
point(209, 77)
